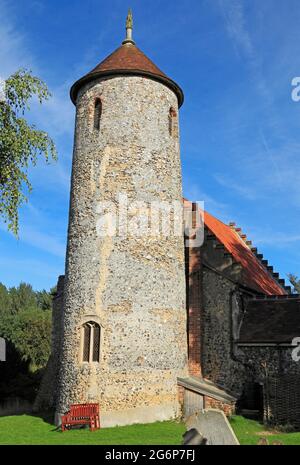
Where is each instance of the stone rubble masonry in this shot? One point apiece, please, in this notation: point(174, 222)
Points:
point(219, 366)
point(226, 364)
point(134, 287)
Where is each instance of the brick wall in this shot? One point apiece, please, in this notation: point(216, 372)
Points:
point(194, 294)
point(228, 409)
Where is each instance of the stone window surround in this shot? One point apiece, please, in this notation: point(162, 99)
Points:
point(173, 122)
point(84, 321)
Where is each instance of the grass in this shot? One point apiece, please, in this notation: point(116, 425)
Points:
point(249, 432)
point(26, 429)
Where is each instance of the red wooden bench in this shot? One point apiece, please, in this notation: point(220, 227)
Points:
point(82, 414)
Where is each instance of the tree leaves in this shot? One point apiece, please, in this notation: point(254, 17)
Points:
point(30, 333)
point(21, 144)
point(25, 321)
point(295, 281)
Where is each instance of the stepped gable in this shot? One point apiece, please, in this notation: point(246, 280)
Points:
point(255, 275)
point(256, 272)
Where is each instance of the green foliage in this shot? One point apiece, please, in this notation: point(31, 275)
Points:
point(30, 333)
point(295, 281)
point(27, 430)
point(5, 302)
point(21, 144)
point(26, 322)
point(22, 298)
point(44, 299)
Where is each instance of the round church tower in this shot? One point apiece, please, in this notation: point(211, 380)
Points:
point(124, 341)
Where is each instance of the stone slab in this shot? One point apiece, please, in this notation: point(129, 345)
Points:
point(214, 426)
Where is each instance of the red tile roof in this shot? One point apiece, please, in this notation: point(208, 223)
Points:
point(254, 274)
point(127, 59)
point(128, 56)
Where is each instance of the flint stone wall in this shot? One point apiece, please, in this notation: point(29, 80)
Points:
point(219, 365)
point(224, 363)
point(133, 286)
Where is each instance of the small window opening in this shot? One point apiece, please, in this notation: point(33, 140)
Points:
point(91, 342)
point(97, 113)
point(172, 122)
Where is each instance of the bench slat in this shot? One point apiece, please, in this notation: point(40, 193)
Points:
point(82, 414)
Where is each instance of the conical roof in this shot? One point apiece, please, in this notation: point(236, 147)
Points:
point(128, 59)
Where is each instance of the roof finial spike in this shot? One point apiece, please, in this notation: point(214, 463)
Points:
point(129, 20)
point(129, 27)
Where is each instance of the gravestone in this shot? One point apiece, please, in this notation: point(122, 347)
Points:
point(214, 426)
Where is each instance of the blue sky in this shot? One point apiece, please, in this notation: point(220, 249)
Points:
point(240, 129)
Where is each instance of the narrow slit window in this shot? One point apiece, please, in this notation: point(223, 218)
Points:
point(172, 122)
point(96, 344)
point(86, 342)
point(91, 342)
point(97, 113)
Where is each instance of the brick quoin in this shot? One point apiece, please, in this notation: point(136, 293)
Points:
point(194, 285)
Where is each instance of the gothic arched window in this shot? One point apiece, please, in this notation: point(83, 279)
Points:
point(172, 122)
point(97, 113)
point(91, 342)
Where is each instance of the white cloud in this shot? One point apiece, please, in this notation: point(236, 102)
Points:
point(14, 52)
point(233, 14)
point(276, 239)
point(243, 190)
point(42, 240)
point(34, 237)
point(56, 115)
point(264, 162)
point(236, 26)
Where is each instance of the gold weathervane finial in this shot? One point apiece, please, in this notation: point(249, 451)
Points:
point(129, 20)
point(129, 27)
